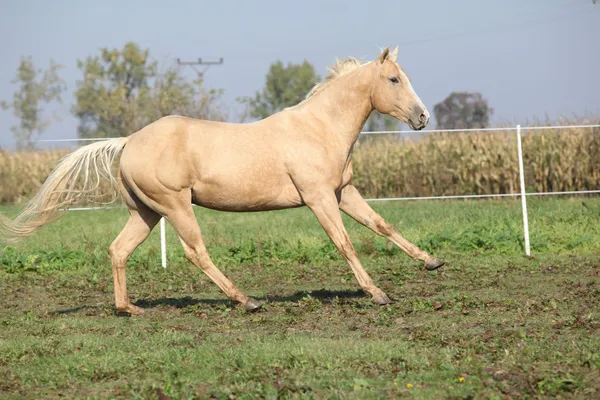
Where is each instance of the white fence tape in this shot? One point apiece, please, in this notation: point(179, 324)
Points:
point(507, 129)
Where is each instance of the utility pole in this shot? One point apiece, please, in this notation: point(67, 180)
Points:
point(200, 62)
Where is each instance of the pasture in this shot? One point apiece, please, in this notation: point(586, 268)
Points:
point(492, 323)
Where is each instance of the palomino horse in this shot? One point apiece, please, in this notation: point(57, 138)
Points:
point(299, 156)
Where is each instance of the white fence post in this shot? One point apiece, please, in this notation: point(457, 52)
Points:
point(523, 196)
point(163, 243)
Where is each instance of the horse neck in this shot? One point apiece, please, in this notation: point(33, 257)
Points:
point(344, 105)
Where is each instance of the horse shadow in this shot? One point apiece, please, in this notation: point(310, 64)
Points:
point(323, 296)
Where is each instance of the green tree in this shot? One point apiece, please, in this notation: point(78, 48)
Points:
point(463, 110)
point(37, 87)
point(285, 86)
point(122, 90)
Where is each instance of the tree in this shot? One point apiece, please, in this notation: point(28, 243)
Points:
point(463, 110)
point(36, 87)
point(123, 90)
point(284, 87)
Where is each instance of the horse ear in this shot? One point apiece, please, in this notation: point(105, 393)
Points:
point(394, 54)
point(384, 55)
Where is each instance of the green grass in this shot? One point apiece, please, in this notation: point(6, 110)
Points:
point(491, 324)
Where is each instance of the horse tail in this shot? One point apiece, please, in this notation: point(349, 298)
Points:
point(76, 175)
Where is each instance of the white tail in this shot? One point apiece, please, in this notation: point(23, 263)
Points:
point(78, 174)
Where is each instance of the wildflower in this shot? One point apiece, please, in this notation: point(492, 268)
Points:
point(461, 379)
point(409, 385)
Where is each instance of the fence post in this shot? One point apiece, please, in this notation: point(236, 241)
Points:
point(163, 243)
point(523, 196)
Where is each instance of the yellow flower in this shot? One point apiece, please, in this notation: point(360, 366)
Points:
point(409, 385)
point(461, 379)
point(553, 321)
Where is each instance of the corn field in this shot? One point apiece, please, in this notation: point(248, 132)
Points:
point(457, 163)
point(435, 164)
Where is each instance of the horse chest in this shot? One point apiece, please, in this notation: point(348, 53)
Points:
point(346, 176)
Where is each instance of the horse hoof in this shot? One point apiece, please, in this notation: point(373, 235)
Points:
point(381, 299)
point(252, 305)
point(131, 310)
point(433, 264)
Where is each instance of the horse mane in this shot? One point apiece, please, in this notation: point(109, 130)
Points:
point(335, 71)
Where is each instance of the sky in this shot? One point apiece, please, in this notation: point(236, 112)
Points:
point(531, 60)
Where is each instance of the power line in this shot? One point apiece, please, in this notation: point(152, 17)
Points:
point(200, 62)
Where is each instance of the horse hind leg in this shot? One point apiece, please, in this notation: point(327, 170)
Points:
point(176, 207)
point(181, 216)
point(141, 222)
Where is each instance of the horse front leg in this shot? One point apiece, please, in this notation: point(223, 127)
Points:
point(324, 205)
point(356, 207)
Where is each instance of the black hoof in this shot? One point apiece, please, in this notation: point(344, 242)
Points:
point(252, 305)
point(381, 299)
point(433, 264)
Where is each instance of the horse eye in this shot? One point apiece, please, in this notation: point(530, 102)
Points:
point(393, 79)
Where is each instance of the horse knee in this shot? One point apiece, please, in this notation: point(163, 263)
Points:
point(116, 255)
point(384, 227)
point(190, 254)
point(197, 256)
point(346, 246)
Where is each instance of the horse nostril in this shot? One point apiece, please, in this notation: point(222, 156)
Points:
point(422, 117)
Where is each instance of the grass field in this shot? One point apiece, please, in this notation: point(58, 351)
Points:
point(491, 324)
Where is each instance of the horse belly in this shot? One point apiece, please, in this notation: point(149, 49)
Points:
point(244, 196)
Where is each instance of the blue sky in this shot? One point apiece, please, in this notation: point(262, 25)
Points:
point(530, 59)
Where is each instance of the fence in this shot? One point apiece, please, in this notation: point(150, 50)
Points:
point(521, 194)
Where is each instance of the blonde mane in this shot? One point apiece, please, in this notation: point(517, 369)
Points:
point(344, 67)
point(340, 68)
